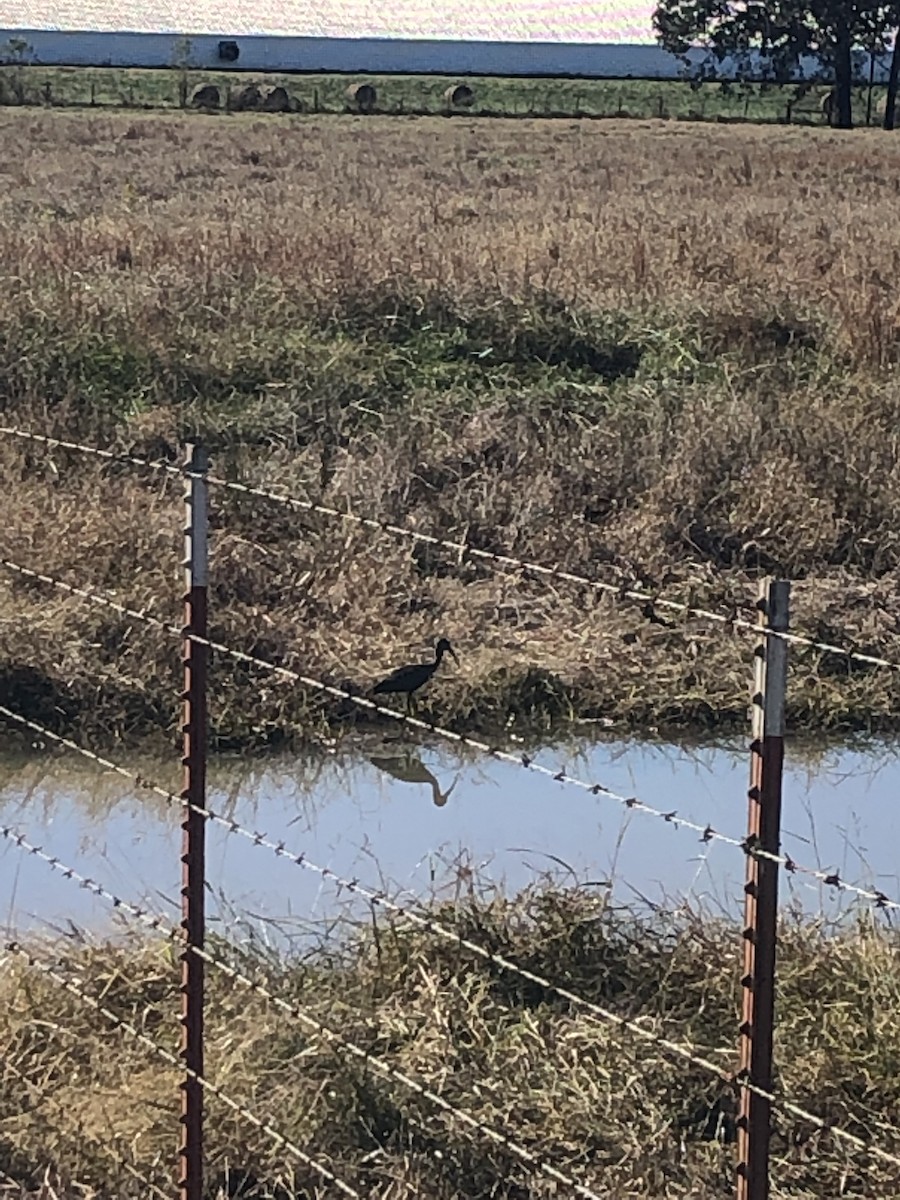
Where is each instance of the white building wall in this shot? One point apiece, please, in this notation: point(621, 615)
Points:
point(367, 55)
point(374, 55)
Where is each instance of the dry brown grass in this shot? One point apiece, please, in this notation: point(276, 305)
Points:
point(643, 351)
point(616, 1112)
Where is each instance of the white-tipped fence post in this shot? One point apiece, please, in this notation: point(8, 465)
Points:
point(761, 890)
point(193, 857)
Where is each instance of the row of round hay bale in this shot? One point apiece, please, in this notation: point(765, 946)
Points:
point(249, 99)
point(363, 97)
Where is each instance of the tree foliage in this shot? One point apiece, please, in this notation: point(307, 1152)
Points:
point(769, 39)
point(782, 30)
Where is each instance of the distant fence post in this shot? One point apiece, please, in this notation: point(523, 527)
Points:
point(193, 865)
point(761, 890)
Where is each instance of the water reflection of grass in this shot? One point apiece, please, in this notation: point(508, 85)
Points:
point(30, 777)
point(46, 780)
point(614, 1111)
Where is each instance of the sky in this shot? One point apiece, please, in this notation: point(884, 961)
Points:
point(605, 21)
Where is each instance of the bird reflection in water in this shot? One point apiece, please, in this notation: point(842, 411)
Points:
point(406, 767)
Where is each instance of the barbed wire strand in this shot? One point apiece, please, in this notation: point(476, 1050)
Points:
point(50, 443)
point(382, 526)
point(708, 833)
point(153, 920)
point(622, 592)
point(46, 1097)
point(161, 925)
point(630, 1025)
point(15, 947)
point(508, 562)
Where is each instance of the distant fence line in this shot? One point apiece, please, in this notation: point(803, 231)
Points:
point(719, 101)
point(754, 1080)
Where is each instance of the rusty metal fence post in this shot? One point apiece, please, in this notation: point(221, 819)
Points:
point(193, 864)
point(761, 890)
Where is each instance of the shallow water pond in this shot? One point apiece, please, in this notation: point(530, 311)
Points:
point(421, 820)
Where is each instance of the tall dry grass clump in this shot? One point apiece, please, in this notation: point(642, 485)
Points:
point(648, 353)
point(82, 1101)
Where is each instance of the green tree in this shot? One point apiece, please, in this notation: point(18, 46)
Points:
point(768, 38)
point(14, 54)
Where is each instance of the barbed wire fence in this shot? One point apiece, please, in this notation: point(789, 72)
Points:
point(753, 1081)
point(625, 591)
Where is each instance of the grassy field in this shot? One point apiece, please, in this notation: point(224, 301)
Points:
point(648, 352)
point(80, 1099)
point(107, 87)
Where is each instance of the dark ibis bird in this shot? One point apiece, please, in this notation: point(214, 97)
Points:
point(414, 675)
